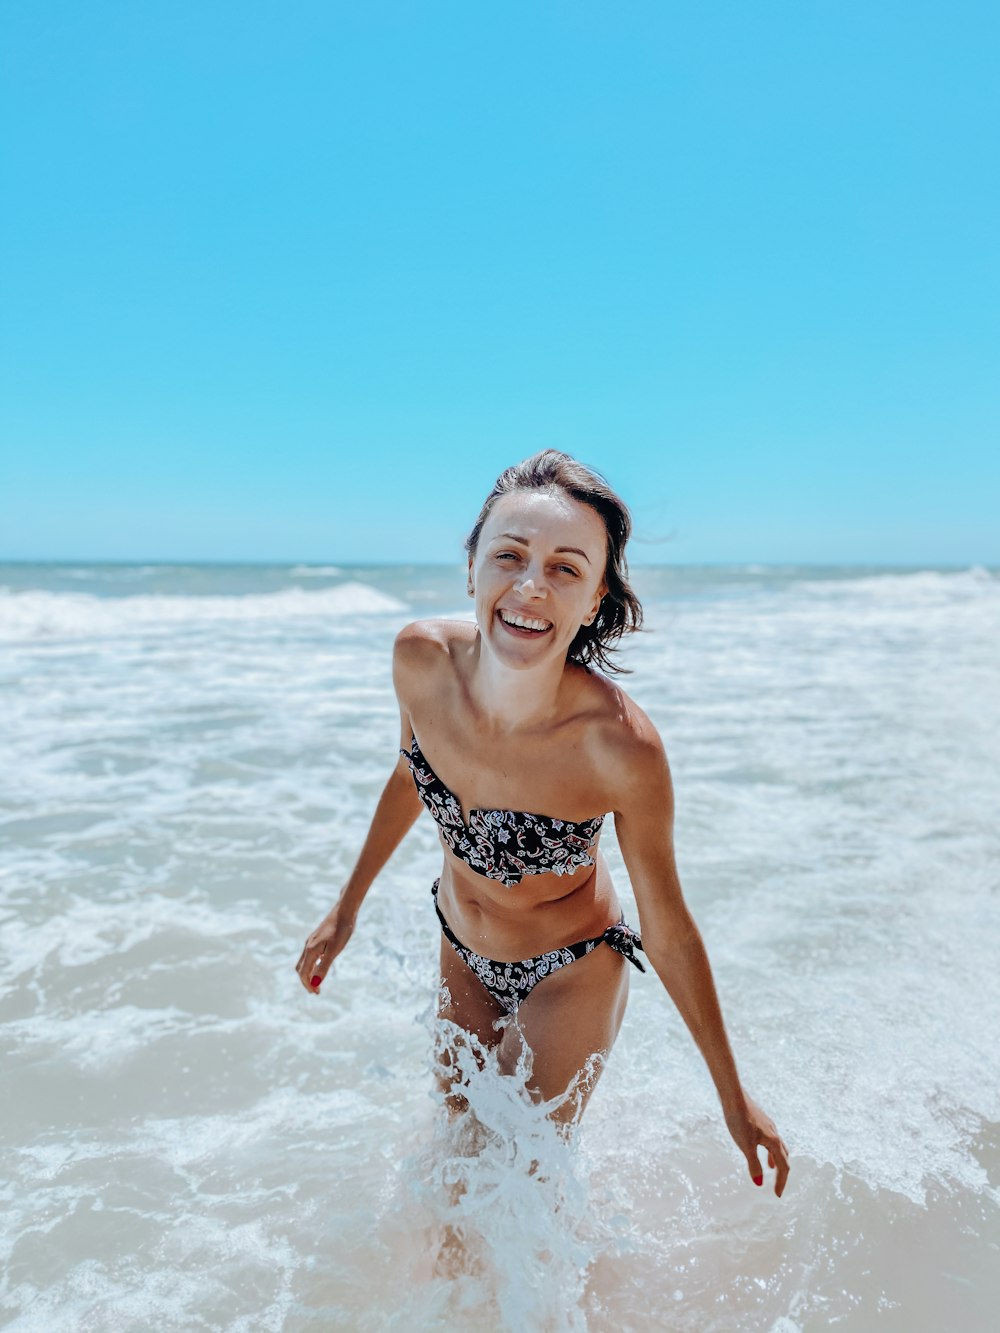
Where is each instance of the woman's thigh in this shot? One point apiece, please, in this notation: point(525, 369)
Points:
point(569, 1023)
point(464, 1001)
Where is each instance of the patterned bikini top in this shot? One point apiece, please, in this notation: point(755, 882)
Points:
point(503, 844)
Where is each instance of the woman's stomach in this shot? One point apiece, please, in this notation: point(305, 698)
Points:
point(541, 913)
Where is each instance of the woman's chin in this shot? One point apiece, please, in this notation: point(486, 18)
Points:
point(520, 647)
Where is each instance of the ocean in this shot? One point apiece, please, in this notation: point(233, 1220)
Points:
point(190, 757)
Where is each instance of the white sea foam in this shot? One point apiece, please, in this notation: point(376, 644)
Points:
point(196, 1142)
point(40, 614)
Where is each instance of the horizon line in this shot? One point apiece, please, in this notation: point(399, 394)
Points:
point(333, 562)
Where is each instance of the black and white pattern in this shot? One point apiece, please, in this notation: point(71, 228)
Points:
point(510, 984)
point(503, 844)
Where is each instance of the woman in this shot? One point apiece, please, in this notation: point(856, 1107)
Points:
point(501, 721)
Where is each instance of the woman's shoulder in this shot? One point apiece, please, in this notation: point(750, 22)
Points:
point(623, 740)
point(433, 637)
point(428, 644)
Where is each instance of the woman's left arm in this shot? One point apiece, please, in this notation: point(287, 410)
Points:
point(644, 819)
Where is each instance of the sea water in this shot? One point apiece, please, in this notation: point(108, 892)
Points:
point(190, 758)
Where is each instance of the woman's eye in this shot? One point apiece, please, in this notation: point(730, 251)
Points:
point(506, 555)
point(568, 569)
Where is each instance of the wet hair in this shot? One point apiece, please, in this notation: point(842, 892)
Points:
point(620, 610)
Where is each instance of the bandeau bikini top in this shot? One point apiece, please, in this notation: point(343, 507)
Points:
point(503, 844)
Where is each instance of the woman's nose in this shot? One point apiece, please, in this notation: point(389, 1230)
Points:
point(531, 582)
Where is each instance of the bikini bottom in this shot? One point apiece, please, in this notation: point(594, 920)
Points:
point(510, 984)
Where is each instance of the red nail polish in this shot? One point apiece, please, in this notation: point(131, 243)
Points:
point(315, 981)
point(758, 1180)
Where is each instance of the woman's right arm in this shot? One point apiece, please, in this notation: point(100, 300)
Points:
point(396, 812)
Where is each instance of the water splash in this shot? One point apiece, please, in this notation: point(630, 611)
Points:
point(510, 1231)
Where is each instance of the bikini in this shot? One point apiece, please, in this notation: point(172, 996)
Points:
point(506, 845)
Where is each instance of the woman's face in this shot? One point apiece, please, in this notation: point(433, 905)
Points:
point(537, 574)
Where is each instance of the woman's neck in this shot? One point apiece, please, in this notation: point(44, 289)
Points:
point(510, 700)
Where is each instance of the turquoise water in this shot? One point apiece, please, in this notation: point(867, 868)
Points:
point(191, 756)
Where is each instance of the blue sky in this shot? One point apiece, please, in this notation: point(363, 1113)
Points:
point(295, 281)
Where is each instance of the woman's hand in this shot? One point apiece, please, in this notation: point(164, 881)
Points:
point(323, 946)
point(749, 1127)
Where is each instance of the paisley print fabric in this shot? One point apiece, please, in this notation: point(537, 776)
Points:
point(510, 984)
point(503, 844)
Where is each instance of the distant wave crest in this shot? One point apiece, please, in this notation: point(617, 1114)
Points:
point(40, 614)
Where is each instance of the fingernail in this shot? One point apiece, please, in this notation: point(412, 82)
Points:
point(315, 981)
point(758, 1180)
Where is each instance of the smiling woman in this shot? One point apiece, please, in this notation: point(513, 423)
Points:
point(619, 611)
point(518, 747)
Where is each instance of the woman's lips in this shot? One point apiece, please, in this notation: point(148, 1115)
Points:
point(521, 631)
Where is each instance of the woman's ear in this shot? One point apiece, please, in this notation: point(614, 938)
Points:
point(470, 586)
point(600, 595)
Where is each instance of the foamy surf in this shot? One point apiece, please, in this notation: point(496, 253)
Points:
point(194, 1142)
point(47, 614)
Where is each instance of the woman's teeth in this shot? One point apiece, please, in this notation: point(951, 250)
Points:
point(523, 622)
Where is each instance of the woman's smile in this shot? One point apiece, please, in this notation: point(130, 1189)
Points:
point(523, 626)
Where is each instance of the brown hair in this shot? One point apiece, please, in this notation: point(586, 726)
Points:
point(620, 610)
